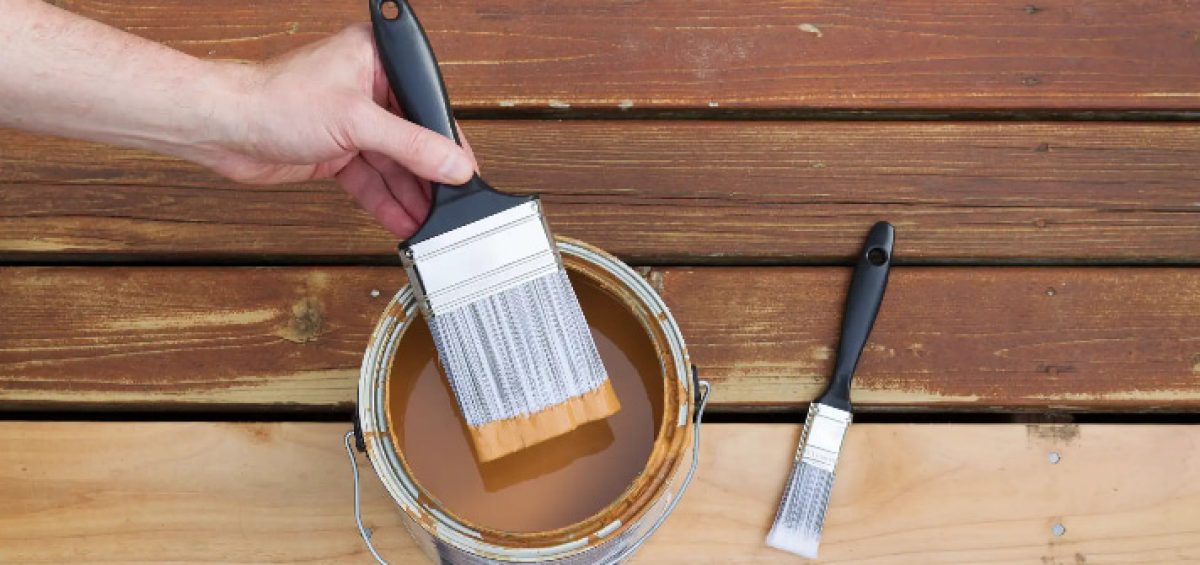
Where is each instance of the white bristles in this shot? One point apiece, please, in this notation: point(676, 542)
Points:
point(519, 351)
point(506, 323)
point(801, 517)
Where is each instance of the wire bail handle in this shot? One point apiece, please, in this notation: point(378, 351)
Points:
point(702, 388)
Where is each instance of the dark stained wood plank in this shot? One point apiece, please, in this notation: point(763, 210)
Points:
point(259, 340)
point(162, 339)
point(655, 192)
point(154, 492)
point(815, 54)
point(946, 338)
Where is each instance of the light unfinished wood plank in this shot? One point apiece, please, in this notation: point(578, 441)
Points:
point(253, 340)
point(761, 54)
point(666, 192)
point(191, 492)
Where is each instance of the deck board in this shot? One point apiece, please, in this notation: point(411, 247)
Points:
point(269, 340)
point(665, 192)
point(1044, 267)
point(118, 492)
point(762, 54)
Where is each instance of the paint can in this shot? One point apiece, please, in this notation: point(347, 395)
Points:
point(608, 535)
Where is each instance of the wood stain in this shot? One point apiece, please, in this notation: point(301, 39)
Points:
point(551, 485)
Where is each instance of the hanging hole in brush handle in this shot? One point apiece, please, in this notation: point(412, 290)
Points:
point(389, 10)
point(413, 73)
point(862, 306)
point(411, 67)
point(877, 257)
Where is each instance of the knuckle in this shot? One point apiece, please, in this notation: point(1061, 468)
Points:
point(416, 143)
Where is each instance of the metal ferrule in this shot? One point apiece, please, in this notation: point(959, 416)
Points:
point(823, 434)
point(481, 259)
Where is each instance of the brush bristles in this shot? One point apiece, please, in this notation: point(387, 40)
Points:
point(519, 351)
point(494, 440)
point(801, 516)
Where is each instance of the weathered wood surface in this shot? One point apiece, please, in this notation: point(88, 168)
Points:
point(676, 192)
point(1060, 54)
point(256, 340)
point(112, 492)
point(207, 337)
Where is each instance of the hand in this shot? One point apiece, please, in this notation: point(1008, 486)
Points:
point(322, 111)
point(325, 110)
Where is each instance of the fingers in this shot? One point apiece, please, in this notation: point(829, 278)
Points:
point(467, 147)
point(402, 184)
point(368, 188)
point(425, 153)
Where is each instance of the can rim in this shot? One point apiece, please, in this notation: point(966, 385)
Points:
point(393, 473)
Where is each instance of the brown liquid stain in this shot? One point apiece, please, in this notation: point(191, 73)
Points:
point(550, 485)
point(1064, 433)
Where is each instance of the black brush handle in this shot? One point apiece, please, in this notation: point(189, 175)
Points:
point(416, 80)
point(412, 68)
point(862, 306)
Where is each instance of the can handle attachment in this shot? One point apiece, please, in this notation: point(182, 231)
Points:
point(703, 389)
point(686, 480)
point(362, 530)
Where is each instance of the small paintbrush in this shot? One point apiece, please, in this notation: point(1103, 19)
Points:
point(801, 516)
point(508, 328)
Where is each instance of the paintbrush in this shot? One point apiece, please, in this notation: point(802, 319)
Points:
point(509, 331)
point(801, 516)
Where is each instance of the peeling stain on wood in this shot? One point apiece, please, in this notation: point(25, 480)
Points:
point(1106, 55)
point(668, 192)
point(296, 335)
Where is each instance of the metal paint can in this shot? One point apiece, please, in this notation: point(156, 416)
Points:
point(615, 532)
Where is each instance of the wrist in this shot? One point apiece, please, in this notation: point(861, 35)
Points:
point(225, 110)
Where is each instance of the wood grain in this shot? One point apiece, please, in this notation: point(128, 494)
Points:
point(815, 54)
point(268, 340)
point(118, 492)
point(666, 192)
point(163, 339)
point(971, 338)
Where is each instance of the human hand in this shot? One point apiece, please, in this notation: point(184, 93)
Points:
point(326, 110)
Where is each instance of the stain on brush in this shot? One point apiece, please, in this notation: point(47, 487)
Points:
point(549, 485)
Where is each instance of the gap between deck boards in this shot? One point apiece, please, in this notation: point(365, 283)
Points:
point(714, 416)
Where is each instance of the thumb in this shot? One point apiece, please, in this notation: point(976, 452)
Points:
point(426, 153)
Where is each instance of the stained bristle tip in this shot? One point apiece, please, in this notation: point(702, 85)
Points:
point(519, 352)
point(494, 440)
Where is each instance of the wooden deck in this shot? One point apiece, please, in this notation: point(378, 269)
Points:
point(179, 354)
